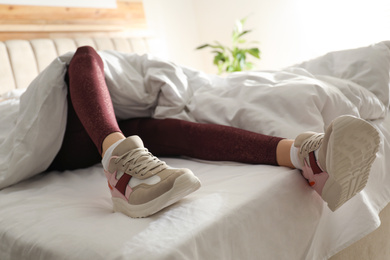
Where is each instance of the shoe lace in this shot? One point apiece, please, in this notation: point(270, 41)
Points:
point(140, 161)
point(311, 144)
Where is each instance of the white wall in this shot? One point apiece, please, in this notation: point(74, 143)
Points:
point(174, 21)
point(289, 31)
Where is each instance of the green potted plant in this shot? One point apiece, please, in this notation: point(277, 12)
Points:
point(234, 58)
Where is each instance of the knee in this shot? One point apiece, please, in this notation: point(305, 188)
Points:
point(86, 55)
point(86, 50)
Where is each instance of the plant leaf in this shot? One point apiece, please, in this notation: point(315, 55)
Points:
point(233, 58)
point(202, 46)
point(255, 52)
point(241, 41)
point(243, 33)
point(243, 20)
point(220, 58)
point(249, 65)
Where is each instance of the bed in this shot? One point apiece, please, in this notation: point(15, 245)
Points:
point(241, 212)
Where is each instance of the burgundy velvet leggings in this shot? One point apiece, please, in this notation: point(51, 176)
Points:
point(91, 118)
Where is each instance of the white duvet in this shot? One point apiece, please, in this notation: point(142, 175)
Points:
point(282, 103)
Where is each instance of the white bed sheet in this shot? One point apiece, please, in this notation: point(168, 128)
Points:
point(241, 212)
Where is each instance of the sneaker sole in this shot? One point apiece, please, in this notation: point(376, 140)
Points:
point(183, 186)
point(352, 148)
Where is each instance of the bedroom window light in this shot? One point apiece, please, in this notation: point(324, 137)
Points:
point(335, 25)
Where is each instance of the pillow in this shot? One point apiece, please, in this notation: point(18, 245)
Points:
point(367, 66)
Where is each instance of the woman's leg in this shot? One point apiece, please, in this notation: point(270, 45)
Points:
point(172, 137)
point(283, 153)
point(92, 101)
point(317, 154)
point(325, 159)
point(88, 98)
point(77, 150)
point(140, 183)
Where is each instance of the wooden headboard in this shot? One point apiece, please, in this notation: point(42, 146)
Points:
point(32, 36)
point(31, 22)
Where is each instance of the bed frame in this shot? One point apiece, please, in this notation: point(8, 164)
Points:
point(26, 48)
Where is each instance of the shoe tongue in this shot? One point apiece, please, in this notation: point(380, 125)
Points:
point(130, 143)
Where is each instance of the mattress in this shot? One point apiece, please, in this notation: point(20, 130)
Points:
point(241, 212)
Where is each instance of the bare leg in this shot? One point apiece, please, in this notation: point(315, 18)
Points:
point(110, 140)
point(283, 153)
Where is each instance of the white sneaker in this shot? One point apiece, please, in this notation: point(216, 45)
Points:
point(141, 184)
point(345, 154)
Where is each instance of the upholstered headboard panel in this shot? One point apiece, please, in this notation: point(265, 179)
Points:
point(22, 60)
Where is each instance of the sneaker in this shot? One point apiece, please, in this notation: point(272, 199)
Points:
point(141, 184)
point(337, 164)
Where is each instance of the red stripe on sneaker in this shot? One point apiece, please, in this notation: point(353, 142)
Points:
point(122, 183)
point(313, 164)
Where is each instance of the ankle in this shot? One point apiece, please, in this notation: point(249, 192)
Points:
point(295, 158)
point(107, 155)
point(283, 153)
point(111, 139)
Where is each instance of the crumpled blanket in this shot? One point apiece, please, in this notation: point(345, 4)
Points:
point(282, 103)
